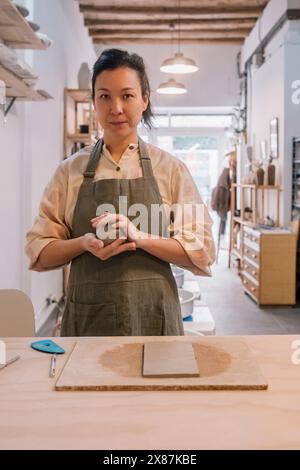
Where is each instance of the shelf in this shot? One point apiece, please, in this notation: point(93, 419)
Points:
point(79, 111)
point(255, 186)
point(236, 253)
point(16, 87)
point(256, 199)
point(296, 205)
point(15, 31)
point(80, 95)
point(239, 220)
point(81, 138)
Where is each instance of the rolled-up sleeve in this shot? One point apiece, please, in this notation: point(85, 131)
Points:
point(50, 223)
point(191, 222)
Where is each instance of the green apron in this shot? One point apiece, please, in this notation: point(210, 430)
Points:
point(130, 294)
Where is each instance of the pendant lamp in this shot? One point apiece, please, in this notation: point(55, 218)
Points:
point(171, 87)
point(179, 63)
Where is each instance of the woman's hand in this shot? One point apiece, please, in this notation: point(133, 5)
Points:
point(97, 248)
point(120, 224)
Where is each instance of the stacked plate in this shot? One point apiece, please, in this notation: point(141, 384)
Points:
point(24, 12)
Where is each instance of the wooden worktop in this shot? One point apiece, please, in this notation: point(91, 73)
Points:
point(34, 416)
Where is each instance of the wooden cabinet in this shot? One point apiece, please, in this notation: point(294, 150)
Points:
point(254, 208)
point(268, 267)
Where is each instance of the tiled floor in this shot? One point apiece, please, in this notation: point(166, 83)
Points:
point(235, 313)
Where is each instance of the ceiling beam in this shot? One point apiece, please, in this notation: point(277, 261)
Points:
point(206, 33)
point(150, 10)
point(95, 25)
point(174, 3)
point(126, 40)
point(142, 12)
point(169, 18)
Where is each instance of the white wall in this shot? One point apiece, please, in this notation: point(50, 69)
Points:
point(272, 14)
point(270, 95)
point(292, 108)
point(215, 84)
point(32, 142)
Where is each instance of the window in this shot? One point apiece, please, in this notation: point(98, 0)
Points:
point(186, 120)
point(200, 154)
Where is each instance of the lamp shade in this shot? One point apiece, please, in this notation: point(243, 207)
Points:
point(171, 87)
point(179, 64)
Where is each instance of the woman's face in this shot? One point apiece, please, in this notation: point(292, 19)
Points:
point(118, 102)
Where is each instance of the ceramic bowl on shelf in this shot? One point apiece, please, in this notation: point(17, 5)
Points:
point(178, 273)
point(34, 26)
point(186, 299)
point(24, 12)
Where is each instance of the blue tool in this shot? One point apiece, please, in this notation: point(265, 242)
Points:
point(47, 346)
point(189, 318)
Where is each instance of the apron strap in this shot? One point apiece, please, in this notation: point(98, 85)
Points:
point(145, 159)
point(93, 160)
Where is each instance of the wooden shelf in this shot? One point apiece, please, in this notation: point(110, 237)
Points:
point(255, 186)
point(239, 220)
point(81, 138)
point(79, 110)
point(80, 95)
point(236, 253)
point(16, 87)
point(15, 31)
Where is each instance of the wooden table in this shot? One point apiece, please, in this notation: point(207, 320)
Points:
point(34, 416)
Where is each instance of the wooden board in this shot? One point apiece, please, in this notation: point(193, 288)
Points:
point(116, 364)
point(165, 359)
point(15, 30)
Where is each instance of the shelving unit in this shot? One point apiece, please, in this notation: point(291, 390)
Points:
point(16, 33)
point(296, 206)
point(296, 180)
point(255, 199)
point(78, 110)
point(265, 257)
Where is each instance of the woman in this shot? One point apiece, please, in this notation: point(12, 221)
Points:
point(125, 287)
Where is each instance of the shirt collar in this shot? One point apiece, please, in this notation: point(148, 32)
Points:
point(131, 148)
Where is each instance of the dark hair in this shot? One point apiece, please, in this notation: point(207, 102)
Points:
point(111, 59)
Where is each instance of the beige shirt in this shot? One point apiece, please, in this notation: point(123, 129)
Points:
point(175, 183)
